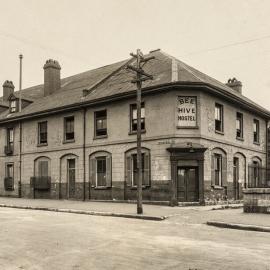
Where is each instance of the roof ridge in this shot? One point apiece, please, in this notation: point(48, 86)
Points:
point(109, 76)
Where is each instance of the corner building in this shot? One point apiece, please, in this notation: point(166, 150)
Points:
point(75, 138)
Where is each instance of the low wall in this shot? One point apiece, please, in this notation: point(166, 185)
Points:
point(257, 200)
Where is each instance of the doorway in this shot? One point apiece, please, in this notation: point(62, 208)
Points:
point(187, 184)
point(71, 174)
point(236, 178)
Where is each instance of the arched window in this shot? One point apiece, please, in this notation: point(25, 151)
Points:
point(132, 170)
point(42, 172)
point(100, 169)
point(219, 168)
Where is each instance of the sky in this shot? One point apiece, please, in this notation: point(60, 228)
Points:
point(223, 39)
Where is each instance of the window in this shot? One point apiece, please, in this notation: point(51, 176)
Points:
point(9, 179)
point(133, 123)
point(10, 137)
point(256, 130)
point(42, 132)
point(239, 125)
point(100, 170)
point(218, 169)
point(132, 170)
point(101, 123)
point(219, 117)
point(69, 128)
point(13, 106)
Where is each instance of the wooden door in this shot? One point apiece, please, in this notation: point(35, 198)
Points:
point(71, 177)
point(187, 184)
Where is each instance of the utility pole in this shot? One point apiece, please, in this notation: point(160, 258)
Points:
point(140, 77)
point(20, 83)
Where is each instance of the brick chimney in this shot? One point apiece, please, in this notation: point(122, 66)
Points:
point(235, 85)
point(8, 89)
point(52, 79)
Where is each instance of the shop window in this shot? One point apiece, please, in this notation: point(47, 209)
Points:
point(133, 120)
point(101, 123)
point(218, 117)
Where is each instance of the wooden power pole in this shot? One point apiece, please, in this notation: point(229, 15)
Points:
point(140, 77)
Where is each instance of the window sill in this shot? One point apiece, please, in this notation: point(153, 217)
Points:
point(187, 127)
point(257, 143)
point(219, 132)
point(135, 187)
point(100, 137)
point(69, 141)
point(42, 144)
point(240, 139)
point(217, 187)
point(135, 132)
point(101, 188)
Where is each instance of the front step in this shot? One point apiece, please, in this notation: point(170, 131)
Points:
point(182, 204)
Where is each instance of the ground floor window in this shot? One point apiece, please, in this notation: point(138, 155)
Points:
point(9, 179)
point(132, 168)
point(100, 169)
point(219, 168)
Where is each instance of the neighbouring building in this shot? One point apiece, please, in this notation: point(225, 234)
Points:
point(75, 138)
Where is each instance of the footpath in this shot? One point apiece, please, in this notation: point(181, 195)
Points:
point(225, 216)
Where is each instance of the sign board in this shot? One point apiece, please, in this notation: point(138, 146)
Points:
point(187, 111)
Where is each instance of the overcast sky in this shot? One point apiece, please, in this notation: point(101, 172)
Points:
point(220, 38)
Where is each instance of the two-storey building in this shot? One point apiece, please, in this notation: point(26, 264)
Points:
point(76, 137)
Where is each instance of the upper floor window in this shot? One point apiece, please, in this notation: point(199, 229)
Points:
point(133, 120)
point(101, 123)
point(218, 117)
point(256, 131)
point(10, 137)
point(239, 125)
point(13, 106)
point(42, 133)
point(69, 128)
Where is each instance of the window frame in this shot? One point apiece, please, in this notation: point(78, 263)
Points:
point(133, 107)
point(9, 164)
point(257, 132)
point(66, 118)
point(240, 118)
point(221, 120)
point(39, 133)
point(218, 157)
point(103, 159)
point(102, 118)
point(10, 143)
point(13, 109)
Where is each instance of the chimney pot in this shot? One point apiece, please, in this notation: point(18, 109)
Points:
point(52, 78)
point(235, 85)
point(8, 89)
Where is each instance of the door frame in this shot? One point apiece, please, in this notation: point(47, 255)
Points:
point(186, 154)
point(196, 179)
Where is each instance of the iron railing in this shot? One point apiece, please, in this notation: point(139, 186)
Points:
point(9, 183)
point(258, 177)
point(40, 182)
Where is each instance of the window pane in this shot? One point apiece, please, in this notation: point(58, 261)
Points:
point(217, 113)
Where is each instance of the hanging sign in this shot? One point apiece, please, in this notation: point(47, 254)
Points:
point(187, 111)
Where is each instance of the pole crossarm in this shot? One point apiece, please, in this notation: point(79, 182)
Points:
point(140, 71)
